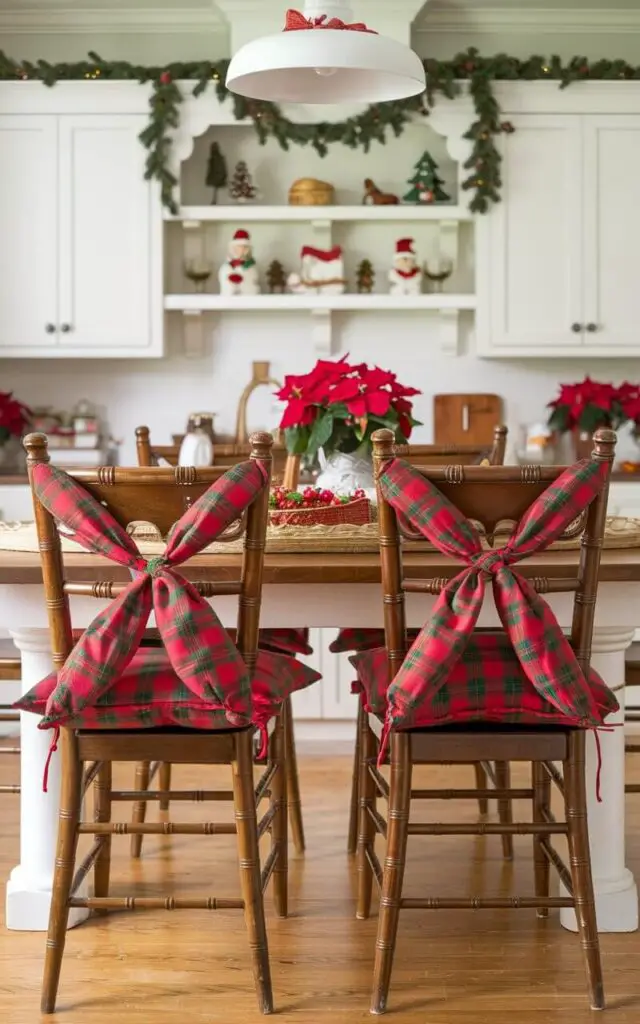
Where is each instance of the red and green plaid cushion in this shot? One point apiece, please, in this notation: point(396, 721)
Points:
point(362, 639)
point(540, 645)
point(285, 641)
point(150, 694)
point(199, 648)
point(487, 684)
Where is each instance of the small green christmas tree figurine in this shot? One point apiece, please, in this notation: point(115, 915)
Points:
point(426, 184)
point(217, 174)
point(365, 277)
point(276, 278)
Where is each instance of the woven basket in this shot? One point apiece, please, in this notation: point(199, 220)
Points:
point(352, 513)
point(311, 192)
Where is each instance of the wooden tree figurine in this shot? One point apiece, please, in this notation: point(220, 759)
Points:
point(365, 277)
point(276, 278)
point(217, 174)
point(241, 187)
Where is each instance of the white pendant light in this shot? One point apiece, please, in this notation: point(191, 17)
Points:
point(323, 57)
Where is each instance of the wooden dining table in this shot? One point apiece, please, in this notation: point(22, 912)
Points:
point(324, 590)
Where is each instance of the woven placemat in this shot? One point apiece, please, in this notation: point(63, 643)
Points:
point(620, 532)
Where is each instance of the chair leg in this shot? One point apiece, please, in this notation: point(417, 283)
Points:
point(366, 827)
point(505, 806)
point(164, 783)
point(354, 806)
point(294, 802)
point(394, 865)
point(249, 860)
point(70, 804)
point(139, 812)
point(575, 799)
point(541, 802)
point(279, 824)
point(102, 812)
point(481, 783)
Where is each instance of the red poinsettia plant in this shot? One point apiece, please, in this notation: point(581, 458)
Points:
point(337, 407)
point(14, 417)
point(589, 405)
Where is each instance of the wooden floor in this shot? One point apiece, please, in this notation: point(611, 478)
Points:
point(458, 967)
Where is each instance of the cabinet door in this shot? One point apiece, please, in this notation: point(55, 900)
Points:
point(612, 231)
point(110, 239)
point(530, 265)
point(28, 222)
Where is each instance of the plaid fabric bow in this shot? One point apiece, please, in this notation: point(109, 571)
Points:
point(295, 22)
point(200, 650)
point(540, 645)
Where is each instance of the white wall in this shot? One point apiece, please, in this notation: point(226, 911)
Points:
point(162, 393)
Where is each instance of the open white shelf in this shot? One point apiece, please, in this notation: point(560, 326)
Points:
point(320, 308)
point(202, 302)
point(249, 212)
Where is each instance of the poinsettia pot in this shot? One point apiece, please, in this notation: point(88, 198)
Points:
point(347, 472)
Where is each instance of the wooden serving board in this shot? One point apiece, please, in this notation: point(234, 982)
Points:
point(465, 419)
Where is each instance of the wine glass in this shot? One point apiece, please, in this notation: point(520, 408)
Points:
point(437, 271)
point(198, 271)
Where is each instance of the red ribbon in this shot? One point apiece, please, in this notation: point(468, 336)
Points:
point(295, 22)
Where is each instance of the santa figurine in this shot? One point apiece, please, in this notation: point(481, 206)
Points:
point(238, 275)
point(405, 277)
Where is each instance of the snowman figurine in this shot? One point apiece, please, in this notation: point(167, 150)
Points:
point(405, 277)
point(238, 275)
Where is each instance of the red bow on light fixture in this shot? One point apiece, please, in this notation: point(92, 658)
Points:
point(295, 22)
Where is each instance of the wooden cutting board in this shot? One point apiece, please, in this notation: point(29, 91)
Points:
point(465, 419)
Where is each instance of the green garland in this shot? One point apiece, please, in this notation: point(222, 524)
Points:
point(373, 125)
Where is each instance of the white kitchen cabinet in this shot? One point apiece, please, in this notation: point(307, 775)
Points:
point(107, 213)
point(611, 218)
point(556, 258)
point(530, 270)
point(28, 220)
point(82, 255)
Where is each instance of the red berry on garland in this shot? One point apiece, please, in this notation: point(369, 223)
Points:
point(507, 127)
point(584, 70)
point(165, 78)
point(469, 66)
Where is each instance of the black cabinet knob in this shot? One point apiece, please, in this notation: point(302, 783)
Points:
point(65, 328)
point(49, 328)
point(592, 328)
point(576, 328)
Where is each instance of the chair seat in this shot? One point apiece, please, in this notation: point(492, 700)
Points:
point(487, 684)
point(149, 695)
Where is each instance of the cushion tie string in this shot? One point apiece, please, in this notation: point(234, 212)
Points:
point(52, 749)
point(384, 740)
point(264, 741)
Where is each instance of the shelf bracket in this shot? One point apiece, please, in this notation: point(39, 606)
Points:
point(193, 333)
point(449, 331)
point(321, 331)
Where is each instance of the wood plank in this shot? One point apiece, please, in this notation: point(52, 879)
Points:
point(617, 565)
point(452, 967)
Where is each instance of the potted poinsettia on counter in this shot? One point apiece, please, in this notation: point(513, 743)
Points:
point(584, 407)
point(332, 412)
point(14, 420)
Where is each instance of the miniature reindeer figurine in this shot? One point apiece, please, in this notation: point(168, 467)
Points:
point(374, 197)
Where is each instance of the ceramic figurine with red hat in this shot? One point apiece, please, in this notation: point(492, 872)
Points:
point(405, 277)
point(238, 275)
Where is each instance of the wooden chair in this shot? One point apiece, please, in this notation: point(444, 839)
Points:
point(149, 455)
point(10, 669)
point(160, 496)
point(497, 774)
point(484, 496)
point(223, 454)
